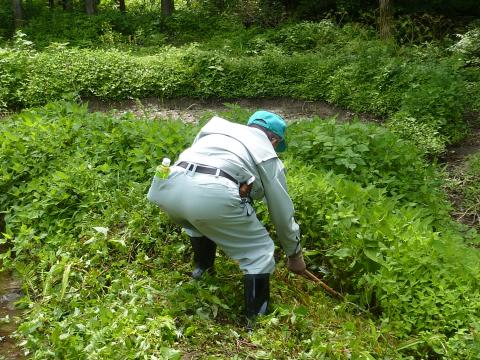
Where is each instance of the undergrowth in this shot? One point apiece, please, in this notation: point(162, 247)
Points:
point(105, 273)
point(423, 92)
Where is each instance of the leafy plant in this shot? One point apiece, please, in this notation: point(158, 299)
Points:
point(468, 46)
point(311, 61)
point(369, 155)
point(105, 273)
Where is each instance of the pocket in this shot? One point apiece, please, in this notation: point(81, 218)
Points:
point(159, 187)
point(155, 192)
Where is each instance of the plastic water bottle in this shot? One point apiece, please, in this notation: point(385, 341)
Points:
point(163, 169)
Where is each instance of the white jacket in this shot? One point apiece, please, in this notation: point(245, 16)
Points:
point(244, 151)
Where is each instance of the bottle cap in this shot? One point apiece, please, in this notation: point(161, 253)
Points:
point(166, 162)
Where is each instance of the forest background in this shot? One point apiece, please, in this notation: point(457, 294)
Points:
point(104, 274)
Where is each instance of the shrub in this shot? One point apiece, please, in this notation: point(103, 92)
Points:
point(304, 36)
point(347, 66)
point(389, 257)
point(468, 46)
point(371, 156)
point(424, 134)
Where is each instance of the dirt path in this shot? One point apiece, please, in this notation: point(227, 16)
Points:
point(10, 292)
point(457, 153)
point(190, 110)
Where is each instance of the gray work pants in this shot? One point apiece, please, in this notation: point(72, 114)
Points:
point(211, 206)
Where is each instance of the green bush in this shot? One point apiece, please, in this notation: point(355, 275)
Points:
point(435, 274)
point(106, 29)
point(424, 134)
point(59, 181)
point(390, 258)
point(300, 37)
point(62, 189)
point(369, 155)
point(468, 46)
point(434, 96)
point(58, 72)
point(415, 89)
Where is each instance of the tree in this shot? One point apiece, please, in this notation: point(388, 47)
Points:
point(17, 12)
point(168, 7)
point(386, 19)
point(290, 5)
point(123, 8)
point(90, 7)
point(67, 5)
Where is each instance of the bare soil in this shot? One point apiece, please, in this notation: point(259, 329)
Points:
point(455, 165)
point(10, 292)
point(190, 110)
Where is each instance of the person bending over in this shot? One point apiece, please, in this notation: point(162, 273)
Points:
point(209, 192)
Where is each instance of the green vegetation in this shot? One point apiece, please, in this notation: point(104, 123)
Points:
point(106, 274)
point(424, 92)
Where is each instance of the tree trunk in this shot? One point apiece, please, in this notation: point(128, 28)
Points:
point(386, 19)
point(67, 5)
point(90, 7)
point(168, 7)
point(123, 7)
point(51, 4)
point(290, 6)
point(17, 12)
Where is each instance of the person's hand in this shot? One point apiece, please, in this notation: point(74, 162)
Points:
point(244, 190)
point(296, 264)
point(246, 187)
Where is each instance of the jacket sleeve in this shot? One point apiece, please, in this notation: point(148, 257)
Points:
point(280, 205)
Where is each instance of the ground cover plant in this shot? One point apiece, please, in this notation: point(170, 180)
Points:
point(422, 91)
point(105, 274)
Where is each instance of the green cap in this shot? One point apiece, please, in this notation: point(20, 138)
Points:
point(272, 122)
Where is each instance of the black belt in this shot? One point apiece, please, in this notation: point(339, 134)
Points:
point(206, 170)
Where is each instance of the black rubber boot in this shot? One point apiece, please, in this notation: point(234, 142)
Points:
point(257, 296)
point(204, 251)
